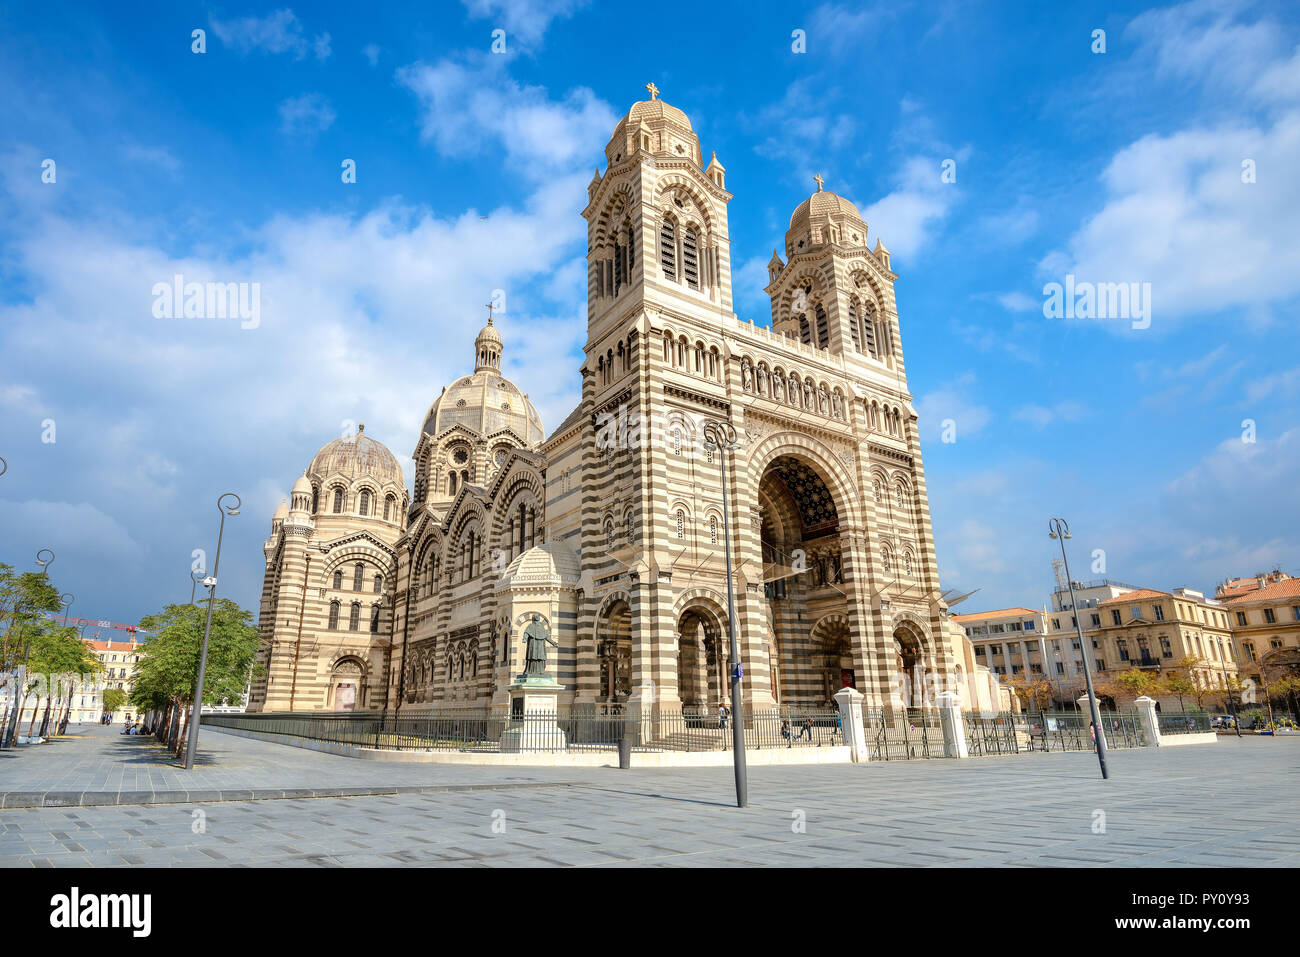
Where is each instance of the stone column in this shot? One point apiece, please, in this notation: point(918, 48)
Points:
point(849, 701)
point(954, 726)
point(1146, 709)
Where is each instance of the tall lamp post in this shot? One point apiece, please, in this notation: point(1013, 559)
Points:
point(192, 738)
point(1059, 529)
point(196, 578)
point(721, 436)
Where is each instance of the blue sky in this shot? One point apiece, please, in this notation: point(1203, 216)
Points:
point(1122, 166)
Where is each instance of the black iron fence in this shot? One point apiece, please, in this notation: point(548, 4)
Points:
point(1183, 722)
point(496, 730)
point(995, 732)
point(902, 734)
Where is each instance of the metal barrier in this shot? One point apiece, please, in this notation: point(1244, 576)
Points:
point(479, 730)
point(1183, 722)
point(992, 732)
point(903, 734)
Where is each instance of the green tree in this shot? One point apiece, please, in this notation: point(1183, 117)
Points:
point(25, 599)
point(114, 698)
point(57, 653)
point(169, 662)
point(1134, 683)
point(1180, 686)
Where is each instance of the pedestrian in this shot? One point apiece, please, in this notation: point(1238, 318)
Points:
point(807, 728)
point(786, 733)
point(722, 717)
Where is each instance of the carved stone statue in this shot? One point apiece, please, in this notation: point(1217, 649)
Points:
point(536, 637)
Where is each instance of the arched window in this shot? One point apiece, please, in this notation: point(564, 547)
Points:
point(878, 492)
point(365, 501)
point(690, 259)
point(358, 573)
point(907, 562)
point(677, 440)
point(389, 502)
point(668, 250)
point(853, 324)
point(668, 347)
point(338, 501)
point(805, 331)
point(378, 584)
point(900, 496)
point(451, 483)
point(374, 619)
point(713, 529)
point(681, 524)
point(338, 578)
point(334, 616)
point(629, 522)
point(823, 330)
point(884, 559)
point(609, 533)
point(315, 499)
point(869, 330)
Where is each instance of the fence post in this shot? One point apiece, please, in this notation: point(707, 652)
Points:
point(1146, 708)
point(849, 701)
point(954, 727)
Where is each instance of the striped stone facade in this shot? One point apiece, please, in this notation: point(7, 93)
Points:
point(612, 530)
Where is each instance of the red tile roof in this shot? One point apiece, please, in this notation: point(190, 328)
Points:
point(1273, 591)
point(1140, 594)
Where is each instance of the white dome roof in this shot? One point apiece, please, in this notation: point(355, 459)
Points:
point(357, 456)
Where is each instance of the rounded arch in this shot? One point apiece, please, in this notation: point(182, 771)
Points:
point(818, 456)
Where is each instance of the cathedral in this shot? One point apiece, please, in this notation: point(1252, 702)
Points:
point(611, 528)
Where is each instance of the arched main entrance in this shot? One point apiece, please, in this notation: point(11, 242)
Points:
point(803, 571)
point(909, 667)
point(614, 653)
point(347, 685)
point(702, 659)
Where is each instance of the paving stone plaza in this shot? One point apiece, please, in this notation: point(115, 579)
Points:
point(1229, 803)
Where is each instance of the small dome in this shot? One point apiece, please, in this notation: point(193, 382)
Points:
point(302, 485)
point(549, 565)
point(488, 335)
point(282, 512)
point(824, 217)
point(354, 457)
point(651, 110)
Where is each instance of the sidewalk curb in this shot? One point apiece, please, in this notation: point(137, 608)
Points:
point(35, 799)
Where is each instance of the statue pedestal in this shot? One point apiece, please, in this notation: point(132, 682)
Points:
point(533, 710)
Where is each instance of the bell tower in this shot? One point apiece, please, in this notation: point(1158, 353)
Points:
point(832, 290)
point(656, 221)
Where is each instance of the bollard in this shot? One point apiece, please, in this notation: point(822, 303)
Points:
point(625, 752)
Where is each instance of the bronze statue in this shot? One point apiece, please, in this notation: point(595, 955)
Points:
point(536, 637)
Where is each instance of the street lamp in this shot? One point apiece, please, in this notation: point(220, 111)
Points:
point(195, 578)
point(211, 585)
point(721, 436)
point(1060, 530)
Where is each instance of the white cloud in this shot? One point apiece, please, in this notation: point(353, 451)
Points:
point(524, 20)
point(371, 52)
point(468, 108)
point(306, 115)
point(952, 402)
point(907, 218)
point(1177, 213)
point(278, 32)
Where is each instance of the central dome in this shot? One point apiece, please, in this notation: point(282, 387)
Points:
point(485, 402)
point(357, 456)
point(824, 217)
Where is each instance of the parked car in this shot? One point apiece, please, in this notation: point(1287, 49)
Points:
point(1222, 721)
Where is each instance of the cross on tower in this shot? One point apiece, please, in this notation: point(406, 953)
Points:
point(654, 90)
point(489, 309)
point(818, 180)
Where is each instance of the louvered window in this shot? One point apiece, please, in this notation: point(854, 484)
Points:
point(668, 250)
point(690, 260)
point(853, 325)
point(823, 331)
point(869, 332)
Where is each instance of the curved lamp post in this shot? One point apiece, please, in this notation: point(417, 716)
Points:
point(722, 436)
point(192, 737)
point(1059, 529)
point(195, 579)
point(4, 466)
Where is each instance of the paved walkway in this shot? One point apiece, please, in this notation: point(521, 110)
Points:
point(1233, 802)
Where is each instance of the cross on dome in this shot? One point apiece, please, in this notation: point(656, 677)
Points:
point(818, 180)
point(489, 309)
point(654, 90)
